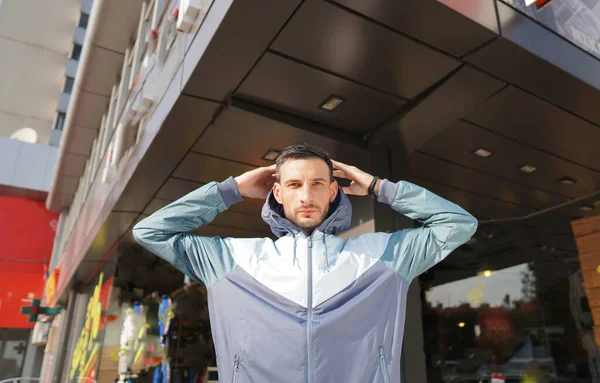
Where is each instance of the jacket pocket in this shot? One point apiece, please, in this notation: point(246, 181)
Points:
point(383, 364)
point(236, 369)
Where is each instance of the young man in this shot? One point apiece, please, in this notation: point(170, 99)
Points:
point(310, 306)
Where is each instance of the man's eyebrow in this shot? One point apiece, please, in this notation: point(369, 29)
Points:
point(298, 180)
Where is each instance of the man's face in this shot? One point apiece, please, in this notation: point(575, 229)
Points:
point(305, 190)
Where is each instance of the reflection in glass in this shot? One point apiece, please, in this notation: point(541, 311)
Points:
point(13, 346)
point(519, 324)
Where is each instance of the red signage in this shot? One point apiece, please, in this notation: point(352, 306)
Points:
point(27, 233)
point(18, 290)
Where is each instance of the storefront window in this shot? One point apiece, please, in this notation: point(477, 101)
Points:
point(13, 345)
point(526, 323)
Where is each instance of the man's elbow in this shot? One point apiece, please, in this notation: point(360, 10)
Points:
point(141, 234)
point(470, 227)
point(138, 235)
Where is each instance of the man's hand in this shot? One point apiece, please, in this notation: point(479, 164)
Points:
point(256, 183)
point(360, 180)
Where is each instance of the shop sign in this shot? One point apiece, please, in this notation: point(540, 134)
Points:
point(86, 355)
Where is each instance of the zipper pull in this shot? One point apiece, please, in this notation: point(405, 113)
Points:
point(310, 242)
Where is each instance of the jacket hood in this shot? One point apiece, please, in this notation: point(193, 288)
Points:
point(340, 215)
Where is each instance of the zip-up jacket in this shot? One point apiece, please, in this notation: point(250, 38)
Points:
point(307, 308)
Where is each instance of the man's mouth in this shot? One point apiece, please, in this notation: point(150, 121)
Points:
point(306, 211)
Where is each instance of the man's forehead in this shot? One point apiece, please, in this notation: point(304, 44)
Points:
point(312, 168)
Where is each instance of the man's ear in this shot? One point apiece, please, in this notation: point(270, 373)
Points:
point(277, 192)
point(333, 188)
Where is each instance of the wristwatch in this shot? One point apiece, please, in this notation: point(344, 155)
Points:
point(372, 187)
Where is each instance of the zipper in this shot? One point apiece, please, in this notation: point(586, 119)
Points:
point(384, 372)
point(236, 369)
point(310, 309)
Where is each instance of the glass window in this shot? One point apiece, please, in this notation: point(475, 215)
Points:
point(83, 20)
point(68, 88)
point(76, 53)
point(13, 345)
point(60, 121)
point(525, 323)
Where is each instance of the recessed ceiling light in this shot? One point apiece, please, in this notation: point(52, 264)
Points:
point(567, 180)
point(481, 152)
point(586, 208)
point(527, 169)
point(271, 155)
point(331, 103)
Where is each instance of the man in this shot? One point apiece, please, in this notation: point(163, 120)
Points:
point(310, 306)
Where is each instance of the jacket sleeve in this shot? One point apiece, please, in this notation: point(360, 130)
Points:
point(167, 232)
point(446, 226)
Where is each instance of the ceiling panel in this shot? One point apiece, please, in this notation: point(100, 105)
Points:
point(229, 218)
point(528, 119)
point(176, 188)
point(243, 30)
point(457, 142)
point(564, 74)
point(468, 179)
point(202, 168)
point(156, 204)
point(334, 39)
point(246, 137)
point(298, 89)
point(449, 101)
point(236, 220)
point(431, 22)
point(480, 207)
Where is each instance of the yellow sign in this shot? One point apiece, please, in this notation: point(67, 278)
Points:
point(85, 356)
point(51, 286)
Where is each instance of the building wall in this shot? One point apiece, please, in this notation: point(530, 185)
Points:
point(26, 169)
point(35, 41)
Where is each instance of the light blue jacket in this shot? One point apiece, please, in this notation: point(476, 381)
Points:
point(318, 308)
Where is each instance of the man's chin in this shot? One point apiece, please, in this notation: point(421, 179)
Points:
point(307, 224)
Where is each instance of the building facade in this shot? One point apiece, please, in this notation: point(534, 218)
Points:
point(491, 104)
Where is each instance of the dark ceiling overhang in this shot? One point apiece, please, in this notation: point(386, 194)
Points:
point(432, 80)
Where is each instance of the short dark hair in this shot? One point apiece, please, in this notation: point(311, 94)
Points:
point(303, 151)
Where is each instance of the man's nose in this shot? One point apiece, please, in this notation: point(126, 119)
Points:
point(306, 194)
